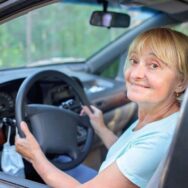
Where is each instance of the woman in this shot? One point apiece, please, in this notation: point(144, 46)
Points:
point(156, 74)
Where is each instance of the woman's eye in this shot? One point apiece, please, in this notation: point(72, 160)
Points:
point(133, 61)
point(154, 66)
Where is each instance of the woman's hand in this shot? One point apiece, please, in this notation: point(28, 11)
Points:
point(97, 121)
point(96, 118)
point(28, 147)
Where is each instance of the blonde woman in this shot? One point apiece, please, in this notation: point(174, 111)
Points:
point(156, 74)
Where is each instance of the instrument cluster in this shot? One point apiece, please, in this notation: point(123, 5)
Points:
point(6, 102)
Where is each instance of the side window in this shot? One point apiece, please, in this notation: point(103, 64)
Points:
point(182, 27)
point(111, 70)
point(116, 69)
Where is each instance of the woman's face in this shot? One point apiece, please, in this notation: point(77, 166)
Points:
point(150, 80)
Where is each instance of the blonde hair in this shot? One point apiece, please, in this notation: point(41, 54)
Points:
point(168, 45)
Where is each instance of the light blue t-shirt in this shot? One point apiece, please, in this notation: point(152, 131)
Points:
point(138, 153)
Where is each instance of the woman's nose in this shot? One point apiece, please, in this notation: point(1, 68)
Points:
point(139, 71)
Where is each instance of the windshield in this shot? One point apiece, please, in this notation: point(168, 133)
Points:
point(57, 33)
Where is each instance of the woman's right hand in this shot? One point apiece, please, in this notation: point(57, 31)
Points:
point(96, 118)
point(28, 147)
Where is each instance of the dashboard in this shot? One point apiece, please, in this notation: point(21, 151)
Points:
point(44, 92)
point(103, 93)
point(99, 91)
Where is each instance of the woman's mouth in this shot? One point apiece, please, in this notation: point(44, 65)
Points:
point(139, 85)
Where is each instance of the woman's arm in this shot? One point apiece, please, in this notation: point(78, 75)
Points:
point(52, 175)
point(97, 121)
point(29, 148)
point(111, 177)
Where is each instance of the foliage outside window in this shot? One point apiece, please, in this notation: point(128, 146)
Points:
point(57, 33)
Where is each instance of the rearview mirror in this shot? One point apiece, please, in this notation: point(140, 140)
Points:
point(109, 19)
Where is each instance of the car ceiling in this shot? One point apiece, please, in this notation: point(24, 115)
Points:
point(178, 9)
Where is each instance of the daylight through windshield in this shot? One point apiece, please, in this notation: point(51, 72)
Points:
point(57, 33)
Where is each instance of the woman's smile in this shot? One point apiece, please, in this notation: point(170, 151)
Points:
point(139, 85)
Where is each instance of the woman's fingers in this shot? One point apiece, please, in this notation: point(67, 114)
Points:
point(25, 129)
point(94, 108)
point(85, 109)
point(28, 147)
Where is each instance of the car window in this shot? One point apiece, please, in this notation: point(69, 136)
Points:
point(182, 27)
point(112, 70)
point(57, 33)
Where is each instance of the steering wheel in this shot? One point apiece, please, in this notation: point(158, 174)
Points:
point(55, 128)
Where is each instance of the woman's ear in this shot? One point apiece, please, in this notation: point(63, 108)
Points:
point(181, 86)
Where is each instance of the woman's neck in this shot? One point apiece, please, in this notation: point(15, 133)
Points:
point(147, 115)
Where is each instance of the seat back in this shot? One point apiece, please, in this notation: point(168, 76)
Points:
point(173, 170)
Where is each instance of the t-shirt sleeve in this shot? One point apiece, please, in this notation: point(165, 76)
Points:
point(139, 162)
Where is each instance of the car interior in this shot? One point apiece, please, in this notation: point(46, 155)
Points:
point(59, 55)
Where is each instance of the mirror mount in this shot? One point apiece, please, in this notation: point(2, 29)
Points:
point(105, 6)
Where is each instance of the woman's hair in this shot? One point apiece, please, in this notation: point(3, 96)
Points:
point(168, 45)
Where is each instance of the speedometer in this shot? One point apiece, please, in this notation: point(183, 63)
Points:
point(6, 102)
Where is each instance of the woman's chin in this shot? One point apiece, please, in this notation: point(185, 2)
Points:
point(136, 98)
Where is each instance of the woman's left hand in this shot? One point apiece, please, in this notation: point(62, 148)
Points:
point(28, 147)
